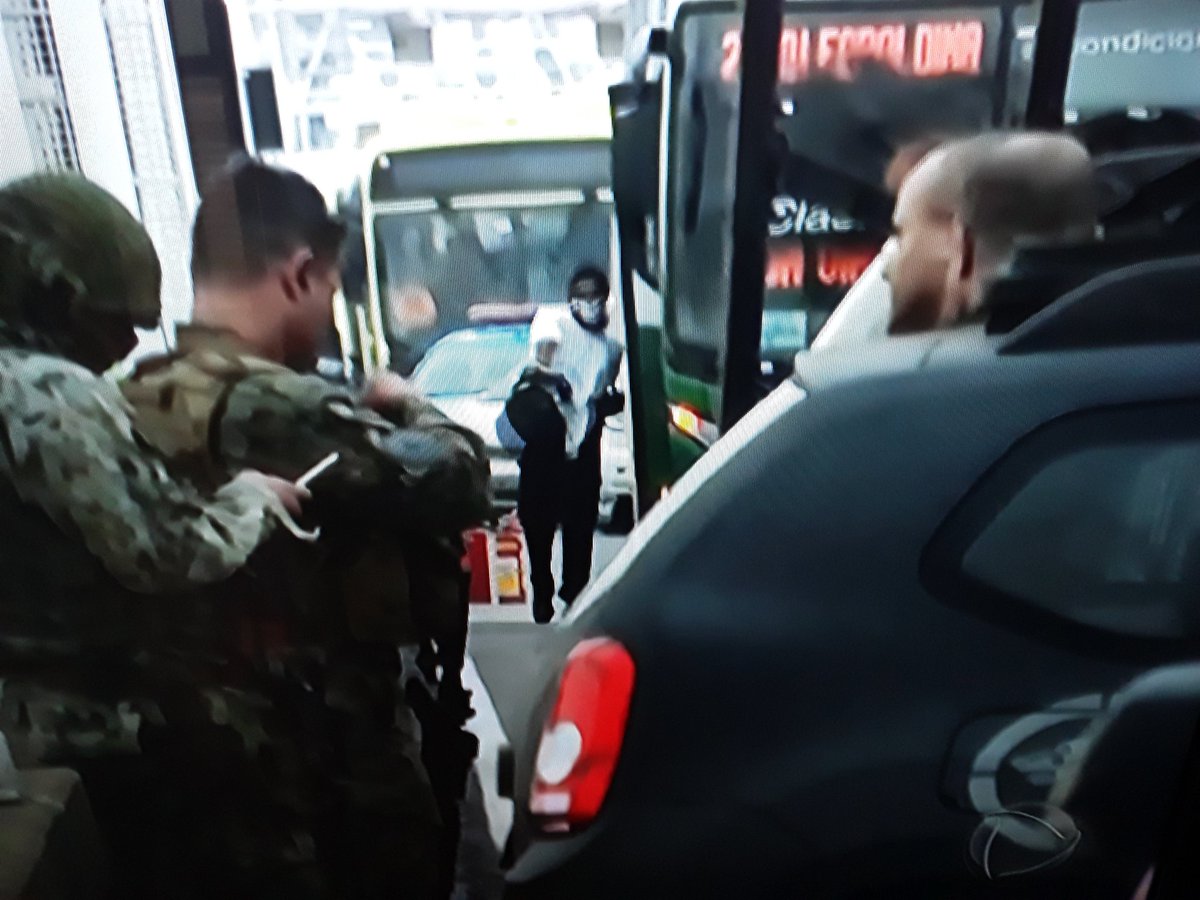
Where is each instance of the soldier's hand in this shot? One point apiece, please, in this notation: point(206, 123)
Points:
point(290, 494)
point(387, 390)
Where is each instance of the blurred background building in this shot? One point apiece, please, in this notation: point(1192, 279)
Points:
point(90, 86)
point(171, 87)
point(341, 74)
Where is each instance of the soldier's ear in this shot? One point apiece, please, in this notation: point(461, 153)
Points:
point(295, 274)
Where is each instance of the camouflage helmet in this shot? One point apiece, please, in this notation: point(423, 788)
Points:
point(63, 236)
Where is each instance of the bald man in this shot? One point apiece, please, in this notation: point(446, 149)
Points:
point(906, 158)
point(964, 209)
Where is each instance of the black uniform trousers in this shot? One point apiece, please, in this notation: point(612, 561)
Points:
point(555, 492)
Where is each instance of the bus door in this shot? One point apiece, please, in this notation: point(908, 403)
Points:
point(636, 122)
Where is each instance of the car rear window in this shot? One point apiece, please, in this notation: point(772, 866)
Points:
point(1094, 520)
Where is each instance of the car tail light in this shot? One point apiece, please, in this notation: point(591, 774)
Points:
point(582, 738)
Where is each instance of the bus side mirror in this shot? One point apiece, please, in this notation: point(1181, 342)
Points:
point(636, 113)
point(656, 41)
point(650, 43)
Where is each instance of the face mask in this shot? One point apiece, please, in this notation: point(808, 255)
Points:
point(591, 313)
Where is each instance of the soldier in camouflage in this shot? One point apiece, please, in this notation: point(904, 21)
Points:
point(96, 533)
point(238, 393)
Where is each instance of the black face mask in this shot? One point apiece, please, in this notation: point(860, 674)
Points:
point(591, 313)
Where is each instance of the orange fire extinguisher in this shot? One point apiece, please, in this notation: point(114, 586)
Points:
point(510, 566)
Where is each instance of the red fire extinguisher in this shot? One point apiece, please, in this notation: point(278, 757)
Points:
point(477, 562)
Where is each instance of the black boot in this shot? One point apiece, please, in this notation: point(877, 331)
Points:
point(543, 610)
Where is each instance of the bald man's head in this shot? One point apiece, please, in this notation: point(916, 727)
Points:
point(906, 158)
point(965, 208)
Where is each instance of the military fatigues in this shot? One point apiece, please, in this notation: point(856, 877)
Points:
point(101, 632)
point(91, 527)
point(101, 549)
point(386, 571)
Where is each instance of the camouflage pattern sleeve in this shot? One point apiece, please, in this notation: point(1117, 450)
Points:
point(282, 422)
point(450, 461)
point(410, 467)
point(67, 446)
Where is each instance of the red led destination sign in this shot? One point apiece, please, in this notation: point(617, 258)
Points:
point(921, 50)
point(836, 266)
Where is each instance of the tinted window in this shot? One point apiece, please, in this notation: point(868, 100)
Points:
point(518, 167)
point(1097, 521)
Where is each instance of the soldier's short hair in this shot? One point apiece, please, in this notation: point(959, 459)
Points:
point(253, 215)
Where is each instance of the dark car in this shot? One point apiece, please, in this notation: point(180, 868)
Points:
point(855, 650)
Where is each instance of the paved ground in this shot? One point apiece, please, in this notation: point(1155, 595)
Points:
point(504, 656)
point(504, 644)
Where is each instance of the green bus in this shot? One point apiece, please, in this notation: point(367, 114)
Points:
point(856, 81)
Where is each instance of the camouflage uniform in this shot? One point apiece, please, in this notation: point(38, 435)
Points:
point(100, 546)
point(385, 573)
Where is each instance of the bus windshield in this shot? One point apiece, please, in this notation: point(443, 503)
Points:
point(857, 81)
point(504, 224)
point(495, 250)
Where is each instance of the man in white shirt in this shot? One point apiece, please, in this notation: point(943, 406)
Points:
point(560, 483)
